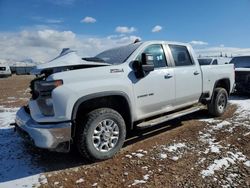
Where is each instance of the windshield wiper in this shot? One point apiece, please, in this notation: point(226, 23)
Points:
point(94, 59)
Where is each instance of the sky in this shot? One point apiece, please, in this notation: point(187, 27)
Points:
point(39, 29)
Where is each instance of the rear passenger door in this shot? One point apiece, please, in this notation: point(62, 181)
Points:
point(188, 77)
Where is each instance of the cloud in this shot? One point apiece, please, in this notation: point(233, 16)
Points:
point(47, 20)
point(45, 44)
point(54, 21)
point(88, 19)
point(215, 51)
point(125, 29)
point(198, 42)
point(157, 28)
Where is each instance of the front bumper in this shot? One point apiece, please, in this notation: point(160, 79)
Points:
point(53, 136)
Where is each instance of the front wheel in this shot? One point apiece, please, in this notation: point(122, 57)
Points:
point(218, 103)
point(100, 134)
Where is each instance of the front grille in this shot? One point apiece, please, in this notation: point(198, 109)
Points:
point(2, 68)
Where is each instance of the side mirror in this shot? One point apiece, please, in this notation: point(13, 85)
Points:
point(147, 62)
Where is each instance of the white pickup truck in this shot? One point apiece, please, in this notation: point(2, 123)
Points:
point(93, 102)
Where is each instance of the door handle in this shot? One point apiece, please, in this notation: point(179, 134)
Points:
point(168, 76)
point(196, 73)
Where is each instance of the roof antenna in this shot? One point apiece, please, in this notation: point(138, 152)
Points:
point(137, 40)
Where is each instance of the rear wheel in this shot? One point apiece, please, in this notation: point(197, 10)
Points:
point(218, 104)
point(100, 134)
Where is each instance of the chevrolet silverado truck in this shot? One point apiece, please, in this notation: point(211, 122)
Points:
point(242, 74)
point(94, 102)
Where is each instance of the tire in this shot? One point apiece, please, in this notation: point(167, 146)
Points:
point(218, 104)
point(100, 134)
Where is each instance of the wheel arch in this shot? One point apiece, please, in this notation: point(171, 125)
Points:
point(116, 100)
point(224, 83)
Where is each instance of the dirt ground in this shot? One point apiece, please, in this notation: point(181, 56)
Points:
point(193, 151)
point(14, 90)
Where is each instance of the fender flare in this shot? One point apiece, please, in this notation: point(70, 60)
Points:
point(216, 82)
point(101, 94)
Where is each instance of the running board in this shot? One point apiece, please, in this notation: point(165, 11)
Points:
point(168, 117)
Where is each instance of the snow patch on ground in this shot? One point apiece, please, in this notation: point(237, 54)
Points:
point(7, 116)
point(224, 163)
point(243, 105)
point(175, 147)
point(94, 184)
point(136, 182)
point(17, 165)
point(139, 154)
point(145, 179)
point(173, 151)
point(79, 181)
point(229, 157)
point(213, 146)
point(247, 163)
point(163, 155)
point(221, 125)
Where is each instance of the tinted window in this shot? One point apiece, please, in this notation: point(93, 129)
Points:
point(241, 62)
point(181, 55)
point(204, 61)
point(158, 54)
point(116, 55)
point(215, 62)
point(2, 68)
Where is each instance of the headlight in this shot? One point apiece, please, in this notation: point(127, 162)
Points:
point(44, 88)
point(44, 101)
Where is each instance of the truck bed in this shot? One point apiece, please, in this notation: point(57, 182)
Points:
point(212, 73)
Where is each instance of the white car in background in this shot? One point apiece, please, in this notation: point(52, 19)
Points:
point(5, 71)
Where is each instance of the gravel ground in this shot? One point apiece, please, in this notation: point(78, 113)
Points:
point(193, 151)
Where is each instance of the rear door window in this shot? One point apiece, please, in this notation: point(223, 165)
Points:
point(215, 62)
point(180, 55)
point(204, 61)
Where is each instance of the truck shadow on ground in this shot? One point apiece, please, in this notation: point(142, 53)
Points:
point(46, 161)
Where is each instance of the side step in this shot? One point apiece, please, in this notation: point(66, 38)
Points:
point(168, 117)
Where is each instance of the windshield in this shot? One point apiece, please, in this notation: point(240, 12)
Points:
point(116, 55)
point(2, 68)
point(204, 61)
point(241, 62)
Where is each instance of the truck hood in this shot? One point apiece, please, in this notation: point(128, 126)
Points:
point(67, 60)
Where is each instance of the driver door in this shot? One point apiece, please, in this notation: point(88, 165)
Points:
point(155, 92)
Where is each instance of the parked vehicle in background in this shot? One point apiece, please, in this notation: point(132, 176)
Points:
point(23, 70)
point(5, 71)
point(94, 101)
point(242, 73)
